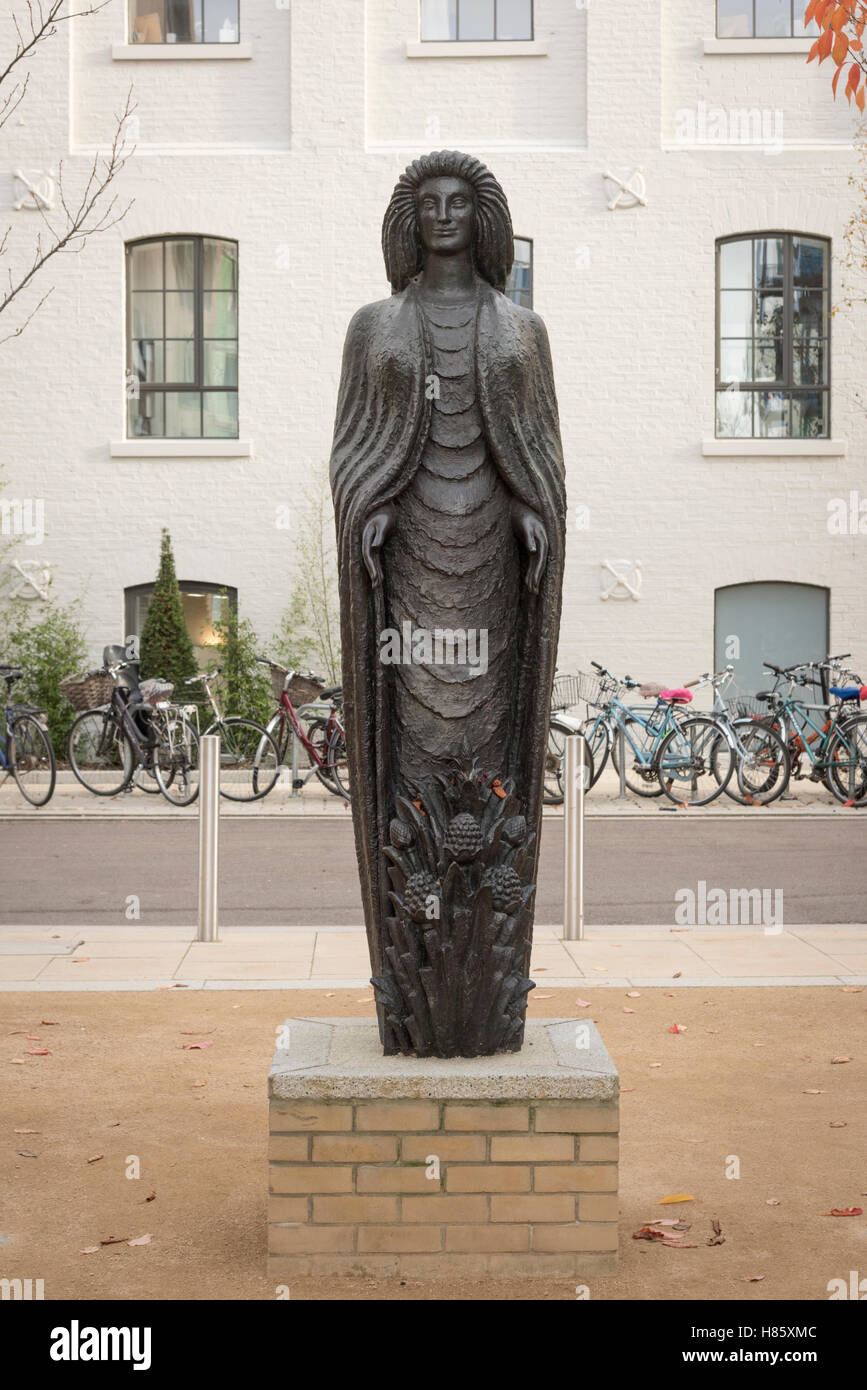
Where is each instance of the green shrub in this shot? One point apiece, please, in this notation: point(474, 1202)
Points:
point(165, 647)
point(245, 687)
point(47, 641)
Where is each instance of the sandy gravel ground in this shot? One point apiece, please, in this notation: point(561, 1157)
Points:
point(751, 1078)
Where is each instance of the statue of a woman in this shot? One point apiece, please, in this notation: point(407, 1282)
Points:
point(447, 474)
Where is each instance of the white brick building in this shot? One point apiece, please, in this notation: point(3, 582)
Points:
point(288, 142)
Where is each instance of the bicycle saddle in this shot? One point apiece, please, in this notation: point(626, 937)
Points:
point(849, 692)
point(679, 696)
point(331, 693)
point(764, 694)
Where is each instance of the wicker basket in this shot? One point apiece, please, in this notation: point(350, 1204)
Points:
point(304, 687)
point(89, 690)
point(278, 679)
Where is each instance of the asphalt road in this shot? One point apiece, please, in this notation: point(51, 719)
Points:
point(303, 873)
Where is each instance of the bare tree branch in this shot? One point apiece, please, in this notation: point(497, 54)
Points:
point(42, 24)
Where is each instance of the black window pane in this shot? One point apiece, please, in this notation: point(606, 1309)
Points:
point(769, 315)
point(809, 262)
point(809, 414)
point(476, 19)
point(439, 19)
point(808, 314)
point(734, 19)
point(769, 360)
point(514, 19)
point(769, 263)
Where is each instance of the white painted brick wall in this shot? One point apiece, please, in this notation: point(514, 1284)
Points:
point(628, 298)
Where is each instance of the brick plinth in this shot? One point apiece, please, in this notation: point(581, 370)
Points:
point(440, 1168)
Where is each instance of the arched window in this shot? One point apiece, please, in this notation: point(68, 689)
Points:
point(182, 338)
point(773, 324)
point(205, 606)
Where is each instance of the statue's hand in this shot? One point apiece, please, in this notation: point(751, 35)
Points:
point(530, 530)
point(377, 529)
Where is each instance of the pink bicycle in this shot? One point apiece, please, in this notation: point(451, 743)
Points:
point(304, 698)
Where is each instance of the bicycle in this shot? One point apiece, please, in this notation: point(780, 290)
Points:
point(564, 696)
point(249, 758)
point(669, 753)
point(108, 745)
point(323, 740)
point(836, 744)
point(26, 751)
point(762, 758)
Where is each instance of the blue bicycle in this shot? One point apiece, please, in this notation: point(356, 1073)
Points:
point(25, 746)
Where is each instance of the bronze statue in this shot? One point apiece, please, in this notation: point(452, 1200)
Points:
point(447, 475)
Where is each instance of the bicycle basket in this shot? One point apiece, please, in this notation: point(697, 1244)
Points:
point(747, 707)
point(566, 692)
point(304, 687)
point(89, 690)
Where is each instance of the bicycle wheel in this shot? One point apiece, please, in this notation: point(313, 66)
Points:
point(33, 768)
point(99, 753)
point(640, 776)
point(764, 767)
point(552, 786)
point(176, 759)
point(249, 760)
point(337, 765)
point(596, 742)
point(846, 756)
point(688, 761)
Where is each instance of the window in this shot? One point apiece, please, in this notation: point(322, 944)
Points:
point(519, 285)
point(772, 337)
point(477, 20)
point(183, 21)
point(205, 605)
point(760, 19)
point(182, 346)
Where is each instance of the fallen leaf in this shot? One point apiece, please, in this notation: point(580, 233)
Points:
point(668, 994)
point(330, 995)
point(772, 1202)
point(844, 1211)
point(853, 989)
point(50, 1023)
point(633, 994)
point(176, 984)
point(33, 1037)
point(28, 1131)
point(717, 1238)
point(39, 1052)
point(752, 1278)
point(18, 1062)
point(151, 1198)
point(656, 1064)
point(80, 960)
point(629, 1011)
point(673, 1221)
point(625, 1089)
point(601, 968)
point(200, 1083)
point(812, 1093)
point(114, 1240)
point(583, 1003)
point(838, 1124)
point(368, 999)
point(677, 974)
point(539, 969)
point(27, 1153)
point(675, 1197)
point(90, 1250)
point(17, 1033)
point(199, 1046)
point(535, 995)
point(676, 1246)
point(96, 1158)
point(676, 1028)
point(195, 1032)
point(141, 1240)
point(838, 1061)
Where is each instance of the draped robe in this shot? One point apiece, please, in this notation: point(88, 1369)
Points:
point(383, 423)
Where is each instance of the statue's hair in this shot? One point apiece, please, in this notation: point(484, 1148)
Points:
point(493, 245)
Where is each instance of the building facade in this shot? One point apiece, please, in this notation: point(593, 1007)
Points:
point(679, 190)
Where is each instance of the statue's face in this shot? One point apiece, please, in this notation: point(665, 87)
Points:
point(446, 214)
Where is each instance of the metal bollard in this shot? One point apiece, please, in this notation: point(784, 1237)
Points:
point(573, 777)
point(209, 826)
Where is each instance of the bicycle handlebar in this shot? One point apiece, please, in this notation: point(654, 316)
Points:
point(204, 677)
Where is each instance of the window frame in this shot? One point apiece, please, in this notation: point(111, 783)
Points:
point(457, 39)
point(761, 38)
point(133, 592)
point(197, 386)
point(179, 43)
point(529, 241)
point(787, 385)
